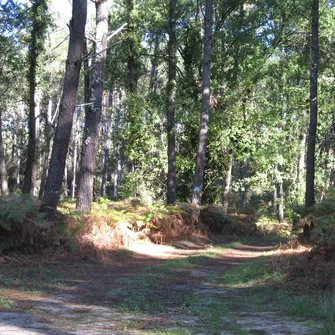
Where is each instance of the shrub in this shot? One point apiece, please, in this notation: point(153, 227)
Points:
point(21, 223)
point(220, 223)
point(321, 220)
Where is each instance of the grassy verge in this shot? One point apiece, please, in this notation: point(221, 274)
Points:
point(266, 287)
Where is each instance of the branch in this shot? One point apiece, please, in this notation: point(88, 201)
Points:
point(115, 32)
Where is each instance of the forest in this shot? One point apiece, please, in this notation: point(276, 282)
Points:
point(191, 124)
point(124, 121)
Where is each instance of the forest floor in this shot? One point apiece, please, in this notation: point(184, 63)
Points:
point(147, 289)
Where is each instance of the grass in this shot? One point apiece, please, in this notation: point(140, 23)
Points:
point(6, 303)
point(267, 287)
point(252, 273)
point(187, 262)
point(173, 332)
point(33, 279)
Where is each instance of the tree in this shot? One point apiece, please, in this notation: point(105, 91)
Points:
point(204, 119)
point(93, 114)
point(66, 108)
point(313, 100)
point(170, 113)
point(39, 25)
point(3, 170)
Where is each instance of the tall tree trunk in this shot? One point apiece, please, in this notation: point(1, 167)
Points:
point(310, 167)
point(301, 161)
point(93, 115)
point(66, 108)
point(154, 71)
point(244, 177)
point(170, 113)
point(280, 194)
point(107, 143)
point(65, 188)
point(274, 200)
point(105, 167)
point(281, 202)
point(226, 186)
point(204, 120)
point(39, 8)
point(3, 170)
point(48, 136)
point(132, 45)
point(329, 166)
point(75, 143)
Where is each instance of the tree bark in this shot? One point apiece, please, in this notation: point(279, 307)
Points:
point(244, 176)
point(154, 71)
point(65, 188)
point(274, 200)
point(75, 142)
point(107, 143)
point(39, 7)
point(280, 194)
point(66, 108)
point(170, 113)
point(132, 44)
point(204, 120)
point(3, 170)
point(226, 186)
point(93, 114)
point(310, 166)
point(48, 136)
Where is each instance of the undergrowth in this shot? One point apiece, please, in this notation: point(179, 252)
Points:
point(22, 226)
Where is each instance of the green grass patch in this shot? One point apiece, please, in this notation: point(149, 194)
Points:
point(6, 303)
point(32, 279)
point(256, 272)
point(185, 263)
point(173, 332)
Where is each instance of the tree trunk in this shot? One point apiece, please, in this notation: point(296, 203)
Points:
point(274, 201)
point(75, 142)
point(154, 71)
point(30, 173)
point(226, 186)
point(244, 191)
point(65, 188)
point(170, 114)
point(66, 108)
point(301, 162)
point(132, 44)
point(310, 167)
point(107, 144)
point(48, 135)
point(93, 115)
point(3, 170)
point(39, 7)
point(204, 120)
point(280, 194)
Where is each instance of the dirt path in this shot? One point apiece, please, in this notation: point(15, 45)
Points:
point(149, 289)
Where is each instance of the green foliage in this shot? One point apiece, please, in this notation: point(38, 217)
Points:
point(215, 219)
point(15, 210)
point(21, 224)
point(322, 217)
